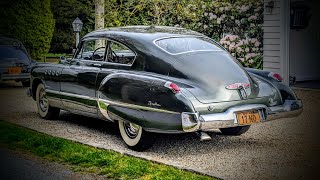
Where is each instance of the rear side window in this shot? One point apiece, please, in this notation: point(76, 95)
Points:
point(119, 53)
point(179, 45)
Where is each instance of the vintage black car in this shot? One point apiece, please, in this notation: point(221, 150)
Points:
point(152, 79)
point(15, 63)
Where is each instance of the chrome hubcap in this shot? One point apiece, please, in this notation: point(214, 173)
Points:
point(131, 129)
point(43, 101)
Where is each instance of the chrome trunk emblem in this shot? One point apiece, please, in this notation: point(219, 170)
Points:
point(241, 87)
point(237, 86)
point(243, 93)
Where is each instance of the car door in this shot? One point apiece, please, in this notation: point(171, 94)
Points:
point(78, 79)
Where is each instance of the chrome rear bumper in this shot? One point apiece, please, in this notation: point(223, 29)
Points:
point(20, 76)
point(193, 121)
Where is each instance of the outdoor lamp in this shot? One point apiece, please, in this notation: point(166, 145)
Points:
point(77, 26)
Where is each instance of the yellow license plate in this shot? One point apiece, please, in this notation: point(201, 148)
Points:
point(248, 117)
point(14, 70)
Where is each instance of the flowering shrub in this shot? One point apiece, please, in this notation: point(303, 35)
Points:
point(243, 19)
point(247, 51)
point(214, 18)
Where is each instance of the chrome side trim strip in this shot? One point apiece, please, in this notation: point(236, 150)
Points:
point(55, 102)
point(71, 95)
point(103, 104)
point(133, 106)
point(80, 102)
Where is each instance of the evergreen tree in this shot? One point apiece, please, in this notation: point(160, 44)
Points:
point(31, 22)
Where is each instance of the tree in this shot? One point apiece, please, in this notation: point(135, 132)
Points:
point(29, 21)
point(64, 12)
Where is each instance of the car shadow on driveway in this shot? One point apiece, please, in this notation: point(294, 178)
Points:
point(10, 84)
point(169, 144)
point(91, 123)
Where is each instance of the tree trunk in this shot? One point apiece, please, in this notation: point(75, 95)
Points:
point(99, 19)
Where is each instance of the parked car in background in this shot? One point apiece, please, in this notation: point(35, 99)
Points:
point(15, 63)
point(151, 79)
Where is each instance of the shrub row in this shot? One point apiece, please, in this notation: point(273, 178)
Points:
point(29, 21)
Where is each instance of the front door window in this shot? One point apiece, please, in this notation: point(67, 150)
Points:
point(92, 50)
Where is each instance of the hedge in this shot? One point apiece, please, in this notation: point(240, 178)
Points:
point(29, 21)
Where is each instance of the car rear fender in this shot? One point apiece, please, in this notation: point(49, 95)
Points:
point(285, 91)
point(143, 100)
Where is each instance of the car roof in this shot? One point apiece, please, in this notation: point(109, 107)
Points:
point(8, 41)
point(143, 32)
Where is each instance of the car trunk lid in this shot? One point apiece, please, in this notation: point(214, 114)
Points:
point(210, 73)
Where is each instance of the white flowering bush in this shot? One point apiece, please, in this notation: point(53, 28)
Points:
point(214, 18)
point(243, 19)
point(247, 51)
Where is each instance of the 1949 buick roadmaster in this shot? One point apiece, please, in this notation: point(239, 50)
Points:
point(160, 79)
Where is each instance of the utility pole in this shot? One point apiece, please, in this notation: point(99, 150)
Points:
point(99, 19)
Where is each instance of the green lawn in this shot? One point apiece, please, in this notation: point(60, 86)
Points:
point(55, 58)
point(54, 55)
point(85, 158)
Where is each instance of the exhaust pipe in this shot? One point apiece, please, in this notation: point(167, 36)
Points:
point(203, 136)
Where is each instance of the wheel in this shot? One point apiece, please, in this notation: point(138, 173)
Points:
point(134, 136)
point(25, 83)
point(235, 131)
point(44, 109)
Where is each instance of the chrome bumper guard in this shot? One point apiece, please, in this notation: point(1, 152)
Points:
point(193, 121)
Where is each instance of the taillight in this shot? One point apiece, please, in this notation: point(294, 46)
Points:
point(275, 76)
point(174, 88)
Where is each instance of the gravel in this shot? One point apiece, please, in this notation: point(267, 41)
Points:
point(283, 149)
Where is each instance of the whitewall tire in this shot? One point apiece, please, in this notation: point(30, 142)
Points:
point(134, 136)
point(44, 108)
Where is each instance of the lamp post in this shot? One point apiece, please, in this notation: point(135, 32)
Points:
point(77, 26)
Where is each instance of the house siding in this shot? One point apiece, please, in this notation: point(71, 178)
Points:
point(272, 38)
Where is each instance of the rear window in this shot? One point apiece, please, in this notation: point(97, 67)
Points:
point(13, 52)
point(179, 45)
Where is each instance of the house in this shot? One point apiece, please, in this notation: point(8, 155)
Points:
point(291, 39)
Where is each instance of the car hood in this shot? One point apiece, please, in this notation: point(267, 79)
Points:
point(209, 73)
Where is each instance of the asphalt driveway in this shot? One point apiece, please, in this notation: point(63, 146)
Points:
point(283, 149)
point(16, 165)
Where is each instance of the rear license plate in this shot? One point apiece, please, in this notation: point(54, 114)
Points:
point(14, 70)
point(248, 117)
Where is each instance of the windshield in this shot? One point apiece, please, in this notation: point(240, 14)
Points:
point(13, 52)
point(179, 45)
